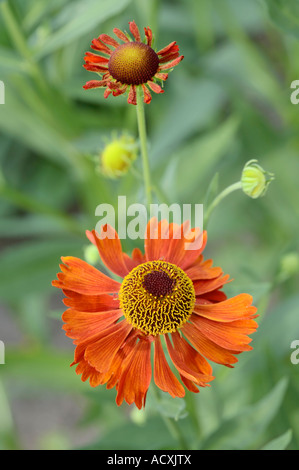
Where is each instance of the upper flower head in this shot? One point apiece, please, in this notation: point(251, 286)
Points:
point(167, 293)
point(130, 64)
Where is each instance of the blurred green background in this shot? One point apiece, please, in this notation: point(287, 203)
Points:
point(226, 103)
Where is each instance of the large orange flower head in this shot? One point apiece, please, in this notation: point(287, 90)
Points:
point(130, 64)
point(168, 294)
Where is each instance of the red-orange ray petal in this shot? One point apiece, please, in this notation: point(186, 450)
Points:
point(120, 35)
point(149, 36)
point(136, 375)
point(98, 45)
point(156, 243)
point(169, 57)
point(91, 57)
point(83, 325)
point(95, 68)
point(232, 335)
point(136, 259)
point(110, 249)
point(162, 76)
point(163, 375)
point(155, 87)
point(108, 40)
point(204, 271)
point(147, 97)
point(235, 308)
point(171, 64)
point(208, 348)
point(172, 47)
point(101, 352)
point(81, 277)
point(94, 84)
point(134, 30)
point(185, 368)
point(90, 303)
point(202, 287)
point(132, 98)
point(213, 297)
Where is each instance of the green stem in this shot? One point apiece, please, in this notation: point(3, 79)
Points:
point(172, 425)
point(222, 195)
point(143, 145)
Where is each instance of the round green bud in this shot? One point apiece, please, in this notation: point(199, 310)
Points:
point(255, 180)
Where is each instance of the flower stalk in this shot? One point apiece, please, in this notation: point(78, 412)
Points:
point(143, 145)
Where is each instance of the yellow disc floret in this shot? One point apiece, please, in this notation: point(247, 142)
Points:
point(157, 297)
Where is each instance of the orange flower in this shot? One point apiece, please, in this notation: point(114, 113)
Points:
point(168, 293)
point(130, 64)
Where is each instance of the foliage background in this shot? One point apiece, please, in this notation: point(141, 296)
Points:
point(228, 102)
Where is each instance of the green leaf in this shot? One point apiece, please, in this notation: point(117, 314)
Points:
point(243, 431)
point(285, 15)
point(77, 19)
point(280, 443)
point(31, 266)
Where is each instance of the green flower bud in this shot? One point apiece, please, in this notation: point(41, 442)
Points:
point(255, 180)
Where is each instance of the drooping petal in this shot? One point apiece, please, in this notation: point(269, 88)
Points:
point(155, 87)
point(147, 97)
point(235, 308)
point(83, 325)
point(172, 47)
point(90, 303)
point(232, 335)
point(208, 348)
point(203, 286)
point(110, 249)
point(136, 375)
point(163, 375)
point(101, 352)
point(185, 368)
point(81, 277)
point(132, 98)
point(98, 45)
point(91, 57)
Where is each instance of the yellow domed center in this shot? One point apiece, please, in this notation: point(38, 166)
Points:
point(157, 297)
point(133, 63)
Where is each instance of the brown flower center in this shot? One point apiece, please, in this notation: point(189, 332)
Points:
point(133, 63)
point(157, 297)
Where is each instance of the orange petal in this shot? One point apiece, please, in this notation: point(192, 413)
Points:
point(136, 376)
point(156, 244)
point(108, 40)
point(134, 30)
point(204, 271)
point(90, 303)
point(232, 335)
point(235, 308)
point(180, 357)
point(136, 259)
point(202, 287)
point(132, 98)
point(110, 249)
point(94, 84)
point(101, 352)
point(155, 87)
point(149, 36)
point(120, 35)
point(83, 278)
point(163, 376)
point(172, 47)
point(208, 348)
point(83, 325)
point(147, 97)
point(171, 64)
